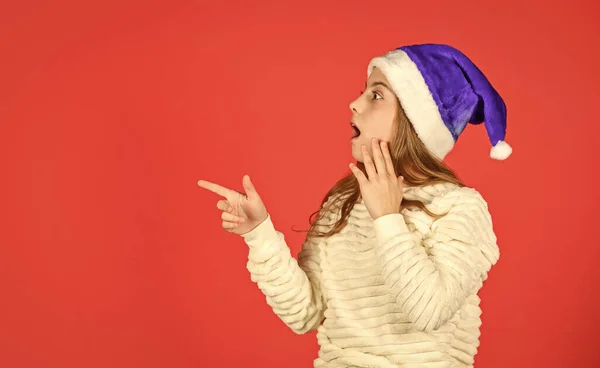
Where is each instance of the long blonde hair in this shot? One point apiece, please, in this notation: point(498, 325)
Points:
point(411, 159)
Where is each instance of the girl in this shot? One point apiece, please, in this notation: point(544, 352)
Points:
point(392, 264)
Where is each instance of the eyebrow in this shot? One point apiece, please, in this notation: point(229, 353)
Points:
point(380, 84)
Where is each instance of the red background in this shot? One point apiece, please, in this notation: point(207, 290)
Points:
point(111, 256)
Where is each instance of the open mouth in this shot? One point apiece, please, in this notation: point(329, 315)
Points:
point(355, 130)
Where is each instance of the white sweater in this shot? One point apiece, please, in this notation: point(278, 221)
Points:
point(400, 291)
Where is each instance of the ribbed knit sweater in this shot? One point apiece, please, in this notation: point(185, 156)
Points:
point(400, 291)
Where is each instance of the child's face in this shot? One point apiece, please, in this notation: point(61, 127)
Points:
point(373, 113)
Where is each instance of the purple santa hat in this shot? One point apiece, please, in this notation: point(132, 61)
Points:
point(441, 91)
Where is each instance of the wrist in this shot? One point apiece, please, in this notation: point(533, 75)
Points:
point(257, 223)
point(386, 213)
point(261, 232)
point(389, 226)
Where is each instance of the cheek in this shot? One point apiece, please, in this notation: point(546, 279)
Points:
point(383, 131)
point(379, 123)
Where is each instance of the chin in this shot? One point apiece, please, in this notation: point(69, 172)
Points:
point(357, 152)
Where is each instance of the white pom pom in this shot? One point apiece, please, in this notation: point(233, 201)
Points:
point(501, 151)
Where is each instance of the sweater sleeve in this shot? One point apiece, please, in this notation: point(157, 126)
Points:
point(291, 287)
point(432, 276)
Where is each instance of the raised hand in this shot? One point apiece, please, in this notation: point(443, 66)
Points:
point(381, 189)
point(241, 212)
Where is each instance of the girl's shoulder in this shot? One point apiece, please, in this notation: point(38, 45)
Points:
point(444, 196)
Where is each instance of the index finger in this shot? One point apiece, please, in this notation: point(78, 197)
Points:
point(215, 188)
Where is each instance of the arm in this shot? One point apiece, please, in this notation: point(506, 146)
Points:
point(292, 288)
point(432, 277)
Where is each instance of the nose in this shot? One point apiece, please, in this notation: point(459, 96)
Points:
point(353, 105)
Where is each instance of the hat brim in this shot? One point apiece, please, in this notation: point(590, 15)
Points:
point(416, 100)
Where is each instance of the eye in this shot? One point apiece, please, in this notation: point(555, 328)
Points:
point(376, 94)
